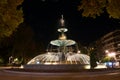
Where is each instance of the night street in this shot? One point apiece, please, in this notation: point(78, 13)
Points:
point(59, 39)
point(101, 75)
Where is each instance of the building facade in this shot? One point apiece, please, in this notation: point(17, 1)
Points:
point(111, 43)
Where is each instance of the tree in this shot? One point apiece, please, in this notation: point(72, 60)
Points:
point(23, 43)
point(93, 58)
point(11, 16)
point(93, 8)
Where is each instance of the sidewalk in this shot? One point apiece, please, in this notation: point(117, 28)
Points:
point(7, 67)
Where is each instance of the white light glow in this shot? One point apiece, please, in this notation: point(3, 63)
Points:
point(112, 54)
point(49, 63)
point(38, 62)
point(106, 51)
point(99, 66)
point(21, 66)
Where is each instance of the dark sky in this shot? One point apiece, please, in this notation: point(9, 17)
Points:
point(44, 15)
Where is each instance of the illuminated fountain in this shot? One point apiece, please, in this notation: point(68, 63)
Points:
point(62, 54)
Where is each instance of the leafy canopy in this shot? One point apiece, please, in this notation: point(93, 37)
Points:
point(93, 8)
point(10, 16)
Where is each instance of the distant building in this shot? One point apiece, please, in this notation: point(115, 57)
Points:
point(111, 43)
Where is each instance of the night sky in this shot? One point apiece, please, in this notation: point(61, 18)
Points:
point(43, 16)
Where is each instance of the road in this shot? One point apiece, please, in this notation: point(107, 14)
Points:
point(15, 75)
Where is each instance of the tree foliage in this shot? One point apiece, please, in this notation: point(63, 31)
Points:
point(23, 42)
point(93, 58)
point(11, 16)
point(93, 8)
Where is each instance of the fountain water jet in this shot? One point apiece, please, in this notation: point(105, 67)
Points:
point(63, 54)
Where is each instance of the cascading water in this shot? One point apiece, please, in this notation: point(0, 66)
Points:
point(63, 51)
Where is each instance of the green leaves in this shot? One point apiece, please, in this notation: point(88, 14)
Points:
point(10, 17)
point(113, 8)
point(93, 8)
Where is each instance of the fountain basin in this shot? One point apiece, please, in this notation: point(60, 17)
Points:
point(58, 67)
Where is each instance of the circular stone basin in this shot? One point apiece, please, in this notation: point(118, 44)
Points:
point(58, 67)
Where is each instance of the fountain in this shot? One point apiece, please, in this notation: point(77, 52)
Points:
point(62, 54)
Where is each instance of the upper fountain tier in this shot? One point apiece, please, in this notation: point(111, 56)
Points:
point(62, 23)
point(62, 41)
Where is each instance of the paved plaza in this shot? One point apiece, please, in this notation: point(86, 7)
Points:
point(18, 75)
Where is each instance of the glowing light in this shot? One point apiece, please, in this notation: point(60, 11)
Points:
point(55, 63)
point(87, 67)
point(63, 37)
point(99, 66)
point(21, 66)
point(16, 59)
point(79, 51)
point(106, 51)
point(110, 63)
point(38, 62)
point(112, 54)
point(47, 63)
point(62, 42)
point(62, 30)
point(50, 63)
